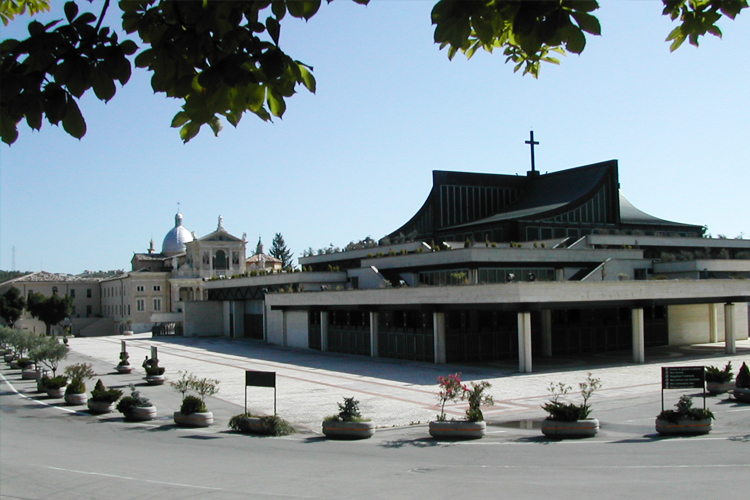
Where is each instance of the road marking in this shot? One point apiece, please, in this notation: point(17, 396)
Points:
point(167, 483)
point(36, 400)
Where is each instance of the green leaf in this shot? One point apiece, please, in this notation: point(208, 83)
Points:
point(128, 47)
point(189, 131)
point(278, 9)
point(71, 11)
point(73, 122)
point(180, 119)
point(588, 23)
point(307, 77)
point(145, 59)
point(215, 125)
point(303, 9)
point(104, 86)
point(274, 29)
point(35, 28)
point(276, 103)
point(8, 129)
point(576, 40)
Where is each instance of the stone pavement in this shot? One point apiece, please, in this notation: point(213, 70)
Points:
point(393, 393)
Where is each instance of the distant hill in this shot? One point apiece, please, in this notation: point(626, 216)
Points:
point(9, 275)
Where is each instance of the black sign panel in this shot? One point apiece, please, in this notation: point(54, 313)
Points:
point(260, 379)
point(683, 377)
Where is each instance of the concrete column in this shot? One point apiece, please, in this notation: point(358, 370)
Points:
point(283, 328)
point(473, 276)
point(639, 343)
point(729, 330)
point(438, 327)
point(374, 319)
point(524, 342)
point(547, 333)
point(323, 331)
point(713, 323)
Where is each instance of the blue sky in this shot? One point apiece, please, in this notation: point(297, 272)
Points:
point(356, 158)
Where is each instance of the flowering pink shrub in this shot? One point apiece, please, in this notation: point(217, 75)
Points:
point(451, 389)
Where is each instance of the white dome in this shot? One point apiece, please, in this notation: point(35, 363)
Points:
point(174, 241)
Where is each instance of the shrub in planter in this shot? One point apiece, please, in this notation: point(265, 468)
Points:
point(742, 384)
point(348, 423)
point(566, 419)
point(684, 419)
point(247, 423)
point(55, 386)
point(75, 393)
point(49, 352)
point(24, 363)
point(124, 365)
point(103, 400)
point(136, 407)
point(719, 381)
point(192, 404)
point(193, 411)
point(451, 389)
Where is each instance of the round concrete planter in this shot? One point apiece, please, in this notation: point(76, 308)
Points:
point(741, 394)
point(715, 388)
point(587, 427)
point(31, 374)
point(100, 407)
point(76, 399)
point(141, 414)
point(14, 364)
point(124, 368)
point(201, 419)
point(457, 429)
point(348, 430)
point(155, 379)
point(56, 393)
point(683, 426)
point(128, 332)
point(9, 356)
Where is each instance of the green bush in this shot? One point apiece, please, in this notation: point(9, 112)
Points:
point(570, 412)
point(270, 426)
point(101, 394)
point(348, 412)
point(685, 411)
point(76, 386)
point(56, 382)
point(192, 404)
point(743, 377)
point(713, 374)
point(135, 399)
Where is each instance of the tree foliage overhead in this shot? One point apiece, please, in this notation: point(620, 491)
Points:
point(12, 304)
point(223, 58)
point(50, 310)
point(280, 251)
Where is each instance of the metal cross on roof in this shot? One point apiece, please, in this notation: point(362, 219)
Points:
point(531, 142)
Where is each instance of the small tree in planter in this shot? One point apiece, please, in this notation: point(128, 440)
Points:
point(124, 365)
point(742, 385)
point(565, 419)
point(348, 423)
point(684, 419)
point(75, 394)
point(193, 411)
point(103, 400)
point(154, 372)
point(50, 352)
point(135, 407)
point(452, 390)
point(719, 381)
point(55, 386)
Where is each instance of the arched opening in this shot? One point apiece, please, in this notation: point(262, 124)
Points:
point(220, 260)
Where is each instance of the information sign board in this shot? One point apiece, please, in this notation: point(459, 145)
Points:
point(683, 377)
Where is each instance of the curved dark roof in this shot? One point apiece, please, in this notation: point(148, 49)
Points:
point(629, 214)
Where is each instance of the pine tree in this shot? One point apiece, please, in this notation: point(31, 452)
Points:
point(280, 251)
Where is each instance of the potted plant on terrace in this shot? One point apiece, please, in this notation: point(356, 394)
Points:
point(684, 419)
point(272, 425)
point(55, 386)
point(193, 411)
point(49, 352)
point(348, 422)
point(103, 400)
point(742, 385)
point(135, 407)
point(124, 365)
point(154, 372)
point(75, 393)
point(719, 381)
point(569, 420)
point(452, 390)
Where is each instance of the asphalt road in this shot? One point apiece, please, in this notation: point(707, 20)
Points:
point(53, 453)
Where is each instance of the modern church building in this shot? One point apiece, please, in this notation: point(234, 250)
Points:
point(490, 268)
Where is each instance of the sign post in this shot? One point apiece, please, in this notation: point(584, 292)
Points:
point(683, 377)
point(260, 379)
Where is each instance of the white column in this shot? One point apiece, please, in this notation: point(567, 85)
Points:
point(547, 333)
point(729, 330)
point(524, 342)
point(438, 328)
point(639, 344)
point(713, 323)
point(374, 318)
point(323, 331)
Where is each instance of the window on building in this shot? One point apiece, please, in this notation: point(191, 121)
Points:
point(88, 293)
point(73, 294)
point(157, 288)
point(140, 288)
point(140, 305)
point(73, 310)
point(54, 290)
point(157, 304)
point(128, 309)
point(88, 311)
